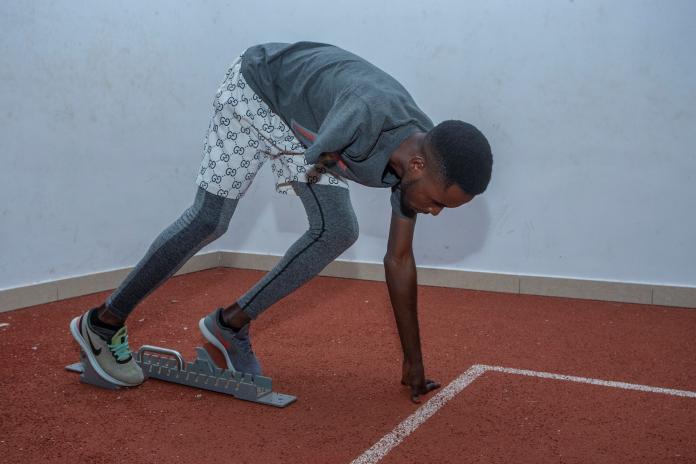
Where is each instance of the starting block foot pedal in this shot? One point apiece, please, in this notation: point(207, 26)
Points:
point(88, 374)
point(169, 366)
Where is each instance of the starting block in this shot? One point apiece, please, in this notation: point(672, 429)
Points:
point(169, 366)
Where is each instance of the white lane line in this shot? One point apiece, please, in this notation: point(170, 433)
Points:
point(411, 423)
point(604, 383)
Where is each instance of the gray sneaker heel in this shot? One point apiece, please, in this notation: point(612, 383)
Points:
point(235, 346)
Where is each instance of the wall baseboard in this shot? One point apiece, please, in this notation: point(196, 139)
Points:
point(46, 292)
point(684, 297)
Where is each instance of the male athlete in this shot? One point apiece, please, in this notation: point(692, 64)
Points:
point(321, 116)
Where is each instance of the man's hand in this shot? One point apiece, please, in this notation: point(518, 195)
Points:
point(414, 376)
point(330, 159)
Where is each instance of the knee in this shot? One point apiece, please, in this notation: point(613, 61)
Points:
point(205, 222)
point(342, 234)
point(332, 220)
point(209, 216)
point(212, 225)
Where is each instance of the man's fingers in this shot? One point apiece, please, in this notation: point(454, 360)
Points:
point(418, 390)
point(431, 385)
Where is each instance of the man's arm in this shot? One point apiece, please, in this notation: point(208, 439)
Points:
point(400, 271)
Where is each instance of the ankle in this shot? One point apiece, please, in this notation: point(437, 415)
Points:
point(234, 317)
point(105, 316)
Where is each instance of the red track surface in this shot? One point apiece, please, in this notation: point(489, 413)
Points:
point(334, 345)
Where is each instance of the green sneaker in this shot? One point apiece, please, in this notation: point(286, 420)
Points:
point(111, 359)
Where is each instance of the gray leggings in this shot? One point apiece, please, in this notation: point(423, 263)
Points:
point(333, 228)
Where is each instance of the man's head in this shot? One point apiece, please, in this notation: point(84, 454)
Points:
point(452, 166)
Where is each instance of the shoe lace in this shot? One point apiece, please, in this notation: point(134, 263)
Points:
point(120, 350)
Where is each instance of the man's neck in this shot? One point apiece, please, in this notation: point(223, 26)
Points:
point(402, 155)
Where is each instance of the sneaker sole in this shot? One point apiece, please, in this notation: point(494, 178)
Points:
point(75, 331)
point(208, 335)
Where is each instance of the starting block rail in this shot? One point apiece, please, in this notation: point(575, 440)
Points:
point(169, 366)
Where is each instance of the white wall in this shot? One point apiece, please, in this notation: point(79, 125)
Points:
point(589, 107)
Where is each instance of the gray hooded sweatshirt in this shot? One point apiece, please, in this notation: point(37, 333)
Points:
point(335, 101)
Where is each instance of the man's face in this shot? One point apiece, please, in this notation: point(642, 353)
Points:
point(425, 193)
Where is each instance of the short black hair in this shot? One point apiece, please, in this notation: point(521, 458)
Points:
point(463, 155)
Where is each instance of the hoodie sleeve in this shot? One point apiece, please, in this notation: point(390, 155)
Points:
point(349, 127)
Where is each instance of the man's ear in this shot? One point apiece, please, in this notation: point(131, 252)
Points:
point(417, 165)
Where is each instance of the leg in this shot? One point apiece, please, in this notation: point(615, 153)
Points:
point(102, 334)
point(333, 228)
point(231, 159)
point(206, 220)
point(222, 180)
